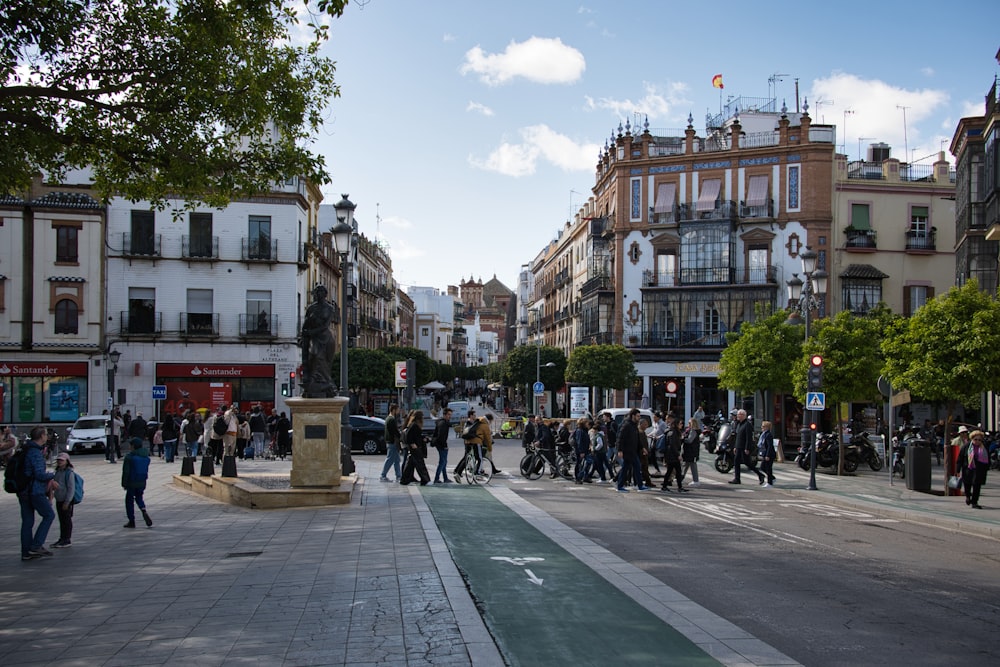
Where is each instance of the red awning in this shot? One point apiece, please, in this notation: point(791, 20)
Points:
point(709, 194)
point(665, 196)
point(757, 191)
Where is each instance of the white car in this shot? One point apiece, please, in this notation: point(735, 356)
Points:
point(88, 434)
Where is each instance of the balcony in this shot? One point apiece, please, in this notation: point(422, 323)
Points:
point(259, 250)
point(200, 248)
point(140, 323)
point(141, 246)
point(200, 325)
point(860, 240)
point(921, 242)
point(672, 217)
point(764, 211)
point(721, 210)
point(258, 326)
point(719, 275)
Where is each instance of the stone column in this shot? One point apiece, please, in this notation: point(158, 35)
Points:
point(316, 440)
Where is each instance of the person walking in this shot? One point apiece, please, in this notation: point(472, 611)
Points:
point(528, 436)
point(35, 497)
point(232, 430)
point(672, 455)
point(392, 435)
point(442, 429)
point(645, 450)
point(744, 443)
point(690, 444)
point(975, 465)
point(283, 435)
point(66, 479)
point(766, 453)
point(628, 453)
point(135, 472)
point(170, 435)
point(581, 447)
point(258, 430)
point(598, 446)
point(194, 432)
point(415, 443)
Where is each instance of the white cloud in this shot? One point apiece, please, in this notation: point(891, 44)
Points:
point(927, 71)
point(397, 222)
point(539, 142)
point(878, 113)
point(656, 103)
point(538, 59)
point(448, 37)
point(481, 108)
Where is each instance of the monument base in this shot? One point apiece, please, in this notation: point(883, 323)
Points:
point(316, 440)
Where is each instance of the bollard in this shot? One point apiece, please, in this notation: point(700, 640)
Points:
point(229, 466)
point(207, 466)
point(187, 466)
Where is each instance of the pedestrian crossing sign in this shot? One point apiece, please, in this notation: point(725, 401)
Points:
point(815, 400)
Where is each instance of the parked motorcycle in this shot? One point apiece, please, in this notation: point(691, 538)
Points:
point(866, 451)
point(827, 452)
point(725, 449)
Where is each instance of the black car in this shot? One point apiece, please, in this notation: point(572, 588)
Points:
point(367, 434)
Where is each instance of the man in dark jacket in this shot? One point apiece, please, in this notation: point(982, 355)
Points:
point(744, 448)
point(628, 452)
point(392, 436)
point(34, 498)
point(528, 436)
point(441, 431)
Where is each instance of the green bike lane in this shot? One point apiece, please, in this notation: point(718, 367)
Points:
point(542, 605)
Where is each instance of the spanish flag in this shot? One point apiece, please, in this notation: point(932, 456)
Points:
point(717, 81)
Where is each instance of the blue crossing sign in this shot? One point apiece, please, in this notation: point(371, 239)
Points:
point(815, 400)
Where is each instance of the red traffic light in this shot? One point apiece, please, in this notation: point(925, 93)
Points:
point(816, 360)
point(292, 375)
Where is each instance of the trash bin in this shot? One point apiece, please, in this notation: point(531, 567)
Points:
point(918, 468)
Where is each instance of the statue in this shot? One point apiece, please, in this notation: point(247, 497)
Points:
point(316, 341)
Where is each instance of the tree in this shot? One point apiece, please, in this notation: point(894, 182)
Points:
point(425, 365)
point(760, 355)
point(200, 99)
point(366, 369)
point(948, 352)
point(524, 361)
point(605, 366)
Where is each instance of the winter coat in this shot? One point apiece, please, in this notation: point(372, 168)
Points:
point(34, 466)
point(135, 469)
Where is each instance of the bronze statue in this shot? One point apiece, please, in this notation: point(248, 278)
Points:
point(316, 341)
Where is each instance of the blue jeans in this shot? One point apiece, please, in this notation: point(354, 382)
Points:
point(192, 448)
point(442, 470)
point(391, 459)
point(630, 467)
point(133, 497)
point(169, 450)
point(258, 443)
point(31, 503)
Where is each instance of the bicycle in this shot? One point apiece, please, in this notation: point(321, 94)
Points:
point(485, 469)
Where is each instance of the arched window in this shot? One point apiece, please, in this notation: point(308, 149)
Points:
point(67, 317)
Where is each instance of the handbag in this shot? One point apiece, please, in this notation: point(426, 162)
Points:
point(954, 482)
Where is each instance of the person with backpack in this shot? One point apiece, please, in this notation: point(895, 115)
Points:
point(135, 472)
point(170, 435)
point(34, 484)
point(672, 455)
point(215, 429)
point(65, 477)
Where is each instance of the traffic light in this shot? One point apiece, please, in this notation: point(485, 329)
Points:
point(291, 383)
point(815, 373)
point(284, 389)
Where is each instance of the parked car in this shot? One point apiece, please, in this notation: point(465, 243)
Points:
point(618, 414)
point(367, 434)
point(88, 434)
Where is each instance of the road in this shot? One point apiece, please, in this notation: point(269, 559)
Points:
point(823, 584)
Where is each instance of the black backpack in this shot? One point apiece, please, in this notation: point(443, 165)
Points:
point(219, 426)
point(15, 475)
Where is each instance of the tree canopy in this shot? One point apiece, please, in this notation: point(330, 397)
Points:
point(949, 350)
point(201, 99)
point(520, 366)
point(760, 355)
point(607, 366)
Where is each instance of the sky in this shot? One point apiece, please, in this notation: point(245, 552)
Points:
point(468, 132)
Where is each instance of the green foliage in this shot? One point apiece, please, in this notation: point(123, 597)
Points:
point(366, 369)
point(607, 366)
point(520, 366)
point(425, 365)
point(760, 355)
point(949, 350)
point(163, 97)
point(852, 356)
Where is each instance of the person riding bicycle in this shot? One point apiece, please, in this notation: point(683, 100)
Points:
point(545, 443)
point(481, 436)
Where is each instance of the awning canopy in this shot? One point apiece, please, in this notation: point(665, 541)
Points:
point(665, 197)
point(757, 191)
point(709, 194)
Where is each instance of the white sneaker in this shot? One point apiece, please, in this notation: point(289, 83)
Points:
point(694, 484)
point(765, 485)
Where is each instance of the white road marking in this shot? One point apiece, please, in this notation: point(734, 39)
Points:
point(532, 578)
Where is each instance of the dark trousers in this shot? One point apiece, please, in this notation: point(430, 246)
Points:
point(415, 464)
point(630, 471)
point(743, 458)
point(471, 449)
point(133, 497)
point(215, 450)
point(767, 468)
point(973, 481)
point(65, 522)
point(673, 468)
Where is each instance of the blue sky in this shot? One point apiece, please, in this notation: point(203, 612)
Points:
point(467, 132)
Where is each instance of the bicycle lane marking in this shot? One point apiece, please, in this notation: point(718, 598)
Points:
point(540, 603)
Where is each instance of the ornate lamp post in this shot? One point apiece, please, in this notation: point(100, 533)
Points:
point(344, 243)
point(113, 357)
point(807, 296)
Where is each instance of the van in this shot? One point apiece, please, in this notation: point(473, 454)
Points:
point(88, 434)
point(459, 412)
point(618, 414)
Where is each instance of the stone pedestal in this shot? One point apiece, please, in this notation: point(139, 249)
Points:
point(316, 440)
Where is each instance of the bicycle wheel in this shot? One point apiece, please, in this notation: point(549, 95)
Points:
point(536, 467)
point(485, 473)
point(564, 467)
point(469, 472)
point(525, 465)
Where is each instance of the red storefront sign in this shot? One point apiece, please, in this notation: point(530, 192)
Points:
point(204, 386)
point(43, 368)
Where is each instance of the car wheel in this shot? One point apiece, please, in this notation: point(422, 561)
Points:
point(370, 446)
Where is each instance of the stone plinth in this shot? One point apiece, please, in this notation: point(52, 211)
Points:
point(316, 440)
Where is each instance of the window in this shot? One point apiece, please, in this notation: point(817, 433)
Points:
point(200, 235)
point(199, 311)
point(918, 220)
point(861, 294)
point(663, 209)
point(860, 216)
point(757, 266)
point(259, 237)
point(666, 267)
point(707, 200)
point(143, 240)
point(706, 252)
point(67, 317)
point(141, 310)
point(259, 312)
point(915, 296)
point(793, 187)
point(757, 199)
point(67, 244)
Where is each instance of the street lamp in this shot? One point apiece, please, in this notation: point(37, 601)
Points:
point(344, 241)
point(538, 370)
point(807, 296)
point(113, 357)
